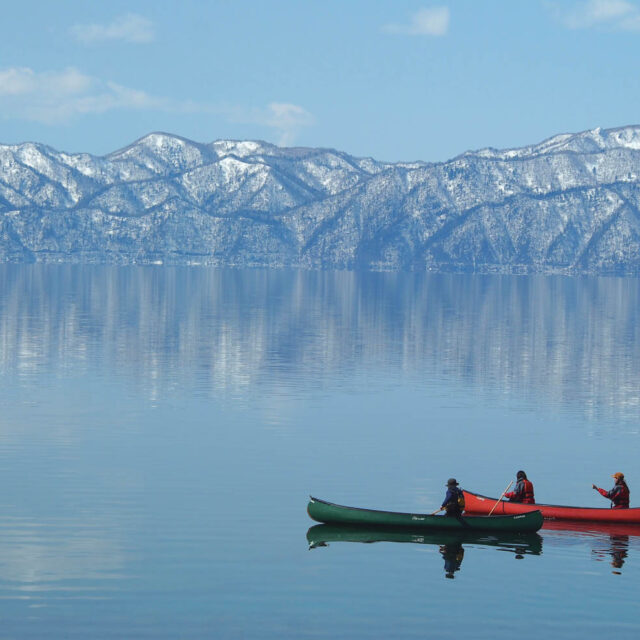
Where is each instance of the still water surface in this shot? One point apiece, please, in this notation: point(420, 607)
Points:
point(161, 429)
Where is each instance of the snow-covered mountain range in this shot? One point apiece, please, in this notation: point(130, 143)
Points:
point(569, 204)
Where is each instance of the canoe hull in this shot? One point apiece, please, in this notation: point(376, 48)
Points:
point(329, 513)
point(479, 504)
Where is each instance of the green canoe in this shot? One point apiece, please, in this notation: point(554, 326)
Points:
point(329, 513)
point(522, 543)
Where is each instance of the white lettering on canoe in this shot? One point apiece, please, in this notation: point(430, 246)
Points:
point(417, 518)
point(516, 517)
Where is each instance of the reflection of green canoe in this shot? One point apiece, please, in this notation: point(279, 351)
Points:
point(522, 543)
point(330, 513)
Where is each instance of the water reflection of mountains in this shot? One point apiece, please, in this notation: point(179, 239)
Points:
point(575, 340)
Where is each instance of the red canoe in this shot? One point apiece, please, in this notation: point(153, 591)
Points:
point(475, 503)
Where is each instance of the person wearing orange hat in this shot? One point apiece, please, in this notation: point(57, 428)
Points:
point(619, 495)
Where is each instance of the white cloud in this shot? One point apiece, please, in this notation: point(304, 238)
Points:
point(128, 28)
point(613, 14)
point(287, 119)
point(19, 81)
point(52, 97)
point(284, 118)
point(431, 21)
point(55, 97)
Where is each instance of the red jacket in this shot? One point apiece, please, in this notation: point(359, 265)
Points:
point(523, 492)
point(619, 495)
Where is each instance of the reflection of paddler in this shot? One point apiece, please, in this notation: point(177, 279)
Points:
point(453, 555)
point(619, 550)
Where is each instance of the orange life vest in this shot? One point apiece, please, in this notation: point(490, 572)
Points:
point(527, 497)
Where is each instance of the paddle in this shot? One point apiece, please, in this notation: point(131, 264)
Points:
point(501, 496)
point(437, 511)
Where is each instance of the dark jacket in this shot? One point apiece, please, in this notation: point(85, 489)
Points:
point(450, 502)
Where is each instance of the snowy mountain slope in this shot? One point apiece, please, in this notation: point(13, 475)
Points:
point(569, 204)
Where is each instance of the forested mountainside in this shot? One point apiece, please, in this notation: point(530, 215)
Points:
point(570, 204)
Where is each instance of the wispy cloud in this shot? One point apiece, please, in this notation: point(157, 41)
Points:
point(53, 97)
point(57, 97)
point(284, 118)
point(618, 15)
point(287, 120)
point(127, 28)
point(430, 21)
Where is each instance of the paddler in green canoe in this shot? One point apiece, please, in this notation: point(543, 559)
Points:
point(453, 503)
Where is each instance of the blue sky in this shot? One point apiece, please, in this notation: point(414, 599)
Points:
point(399, 80)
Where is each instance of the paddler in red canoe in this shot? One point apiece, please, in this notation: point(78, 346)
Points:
point(619, 495)
point(523, 491)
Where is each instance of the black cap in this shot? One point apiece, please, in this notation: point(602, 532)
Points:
point(451, 481)
point(521, 474)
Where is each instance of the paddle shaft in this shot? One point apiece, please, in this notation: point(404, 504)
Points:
point(501, 496)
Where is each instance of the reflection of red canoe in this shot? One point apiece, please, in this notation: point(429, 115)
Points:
point(596, 529)
point(475, 503)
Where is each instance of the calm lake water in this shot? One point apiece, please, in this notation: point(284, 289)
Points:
point(161, 430)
